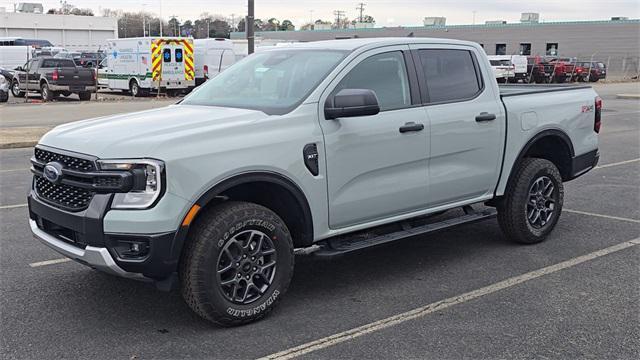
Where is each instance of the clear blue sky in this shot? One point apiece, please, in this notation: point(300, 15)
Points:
point(386, 12)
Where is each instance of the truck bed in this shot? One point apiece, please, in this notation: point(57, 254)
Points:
point(526, 89)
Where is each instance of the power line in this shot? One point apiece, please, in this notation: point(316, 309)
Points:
point(339, 14)
point(361, 9)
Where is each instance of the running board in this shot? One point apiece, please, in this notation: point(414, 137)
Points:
point(344, 244)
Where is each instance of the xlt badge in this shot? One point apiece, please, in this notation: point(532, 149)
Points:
point(310, 155)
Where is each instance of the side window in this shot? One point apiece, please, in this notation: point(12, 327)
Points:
point(166, 55)
point(451, 75)
point(178, 55)
point(49, 64)
point(386, 75)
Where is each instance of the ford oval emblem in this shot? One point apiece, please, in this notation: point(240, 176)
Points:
point(53, 172)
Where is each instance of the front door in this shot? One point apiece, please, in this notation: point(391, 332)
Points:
point(374, 170)
point(467, 123)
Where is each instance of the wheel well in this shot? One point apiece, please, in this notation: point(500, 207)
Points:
point(553, 148)
point(42, 81)
point(279, 195)
point(132, 80)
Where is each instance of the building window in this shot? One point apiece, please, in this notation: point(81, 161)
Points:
point(525, 49)
point(552, 49)
point(501, 49)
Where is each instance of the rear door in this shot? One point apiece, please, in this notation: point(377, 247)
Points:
point(467, 123)
point(374, 169)
point(172, 65)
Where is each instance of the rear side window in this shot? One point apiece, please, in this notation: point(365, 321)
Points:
point(178, 55)
point(451, 75)
point(166, 55)
point(49, 63)
point(65, 63)
point(386, 75)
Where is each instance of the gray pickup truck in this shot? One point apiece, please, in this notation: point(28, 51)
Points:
point(52, 77)
point(325, 147)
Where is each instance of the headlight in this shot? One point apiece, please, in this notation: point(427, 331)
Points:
point(147, 180)
point(2, 80)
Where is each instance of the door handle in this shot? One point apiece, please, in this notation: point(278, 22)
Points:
point(484, 116)
point(411, 126)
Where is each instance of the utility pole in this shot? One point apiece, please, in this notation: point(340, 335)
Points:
point(338, 14)
point(361, 9)
point(144, 26)
point(161, 18)
point(233, 22)
point(249, 26)
point(208, 27)
point(175, 22)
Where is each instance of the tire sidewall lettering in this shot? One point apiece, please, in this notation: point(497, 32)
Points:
point(242, 225)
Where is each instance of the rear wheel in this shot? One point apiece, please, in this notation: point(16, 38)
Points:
point(15, 89)
point(532, 203)
point(237, 264)
point(4, 96)
point(47, 95)
point(84, 96)
point(135, 89)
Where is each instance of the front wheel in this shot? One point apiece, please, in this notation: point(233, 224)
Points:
point(532, 203)
point(47, 95)
point(15, 89)
point(237, 263)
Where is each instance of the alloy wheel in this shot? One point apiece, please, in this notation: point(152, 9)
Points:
point(542, 202)
point(246, 266)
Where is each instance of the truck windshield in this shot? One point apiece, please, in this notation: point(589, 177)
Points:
point(274, 81)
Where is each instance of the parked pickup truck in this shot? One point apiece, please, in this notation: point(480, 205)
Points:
point(52, 77)
point(326, 147)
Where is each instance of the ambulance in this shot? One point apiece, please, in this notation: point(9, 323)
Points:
point(145, 64)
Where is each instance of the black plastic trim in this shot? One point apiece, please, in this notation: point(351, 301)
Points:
point(581, 164)
point(272, 177)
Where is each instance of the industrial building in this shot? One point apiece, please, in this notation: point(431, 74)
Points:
point(69, 31)
point(613, 42)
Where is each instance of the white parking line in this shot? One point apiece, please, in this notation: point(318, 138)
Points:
point(443, 304)
point(12, 206)
point(601, 215)
point(49, 262)
point(617, 163)
point(13, 170)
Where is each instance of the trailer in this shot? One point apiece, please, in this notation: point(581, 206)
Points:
point(148, 64)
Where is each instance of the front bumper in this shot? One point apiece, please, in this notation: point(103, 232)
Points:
point(80, 236)
point(96, 257)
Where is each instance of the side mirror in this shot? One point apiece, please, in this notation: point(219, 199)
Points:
point(350, 103)
point(19, 68)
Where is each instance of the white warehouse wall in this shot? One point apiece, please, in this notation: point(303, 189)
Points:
point(69, 31)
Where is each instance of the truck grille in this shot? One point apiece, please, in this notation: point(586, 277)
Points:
point(68, 197)
point(69, 162)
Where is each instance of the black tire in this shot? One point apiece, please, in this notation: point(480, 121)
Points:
point(84, 96)
point(135, 89)
point(15, 89)
point(594, 78)
point(47, 95)
point(66, 93)
point(516, 207)
point(210, 250)
point(4, 96)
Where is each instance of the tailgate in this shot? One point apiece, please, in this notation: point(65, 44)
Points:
point(76, 78)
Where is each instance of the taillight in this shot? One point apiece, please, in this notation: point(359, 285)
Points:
point(206, 70)
point(55, 75)
point(95, 75)
point(598, 119)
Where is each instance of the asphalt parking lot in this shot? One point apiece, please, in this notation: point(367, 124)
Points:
point(461, 293)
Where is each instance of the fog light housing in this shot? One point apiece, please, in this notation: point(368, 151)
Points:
point(132, 249)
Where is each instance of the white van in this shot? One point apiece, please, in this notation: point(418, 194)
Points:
point(517, 65)
point(212, 56)
point(130, 65)
point(13, 56)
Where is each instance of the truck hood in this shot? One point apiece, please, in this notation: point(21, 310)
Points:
point(147, 133)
